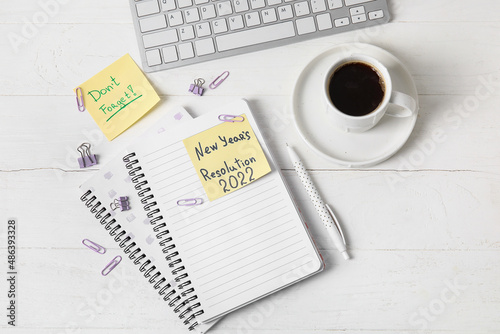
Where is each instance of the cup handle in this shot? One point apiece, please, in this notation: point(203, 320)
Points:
point(407, 104)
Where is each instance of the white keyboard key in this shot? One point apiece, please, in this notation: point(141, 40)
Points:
point(184, 3)
point(334, 4)
point(341, 22)
point(359, 18)
point(301, 8)
point(153, 57)
point(175, 19)
point(153, 23)
point(255, 36)
point(252, 19)
point(200, 2)
point(378, 14)
point(240, 6)
point(219, 26)
point(160, 38)
point(204, 46)
point(208, 12)
point(192, 15)
point(186, 32)
point(357, 10)
point(203, 29)
point(318, 6)
point(147, 8)
point(289, 0)
point(305, 25)
point(186, 50)
point(167, 5)
point(285, 12)
point(169, 54)
point(355, 2)
point(269, 15)
point(257, 4)
point(236, 22)
point(324, 21)
point(273, 2)
point(224, 8)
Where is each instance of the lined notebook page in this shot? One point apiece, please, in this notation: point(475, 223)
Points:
point(237, 248)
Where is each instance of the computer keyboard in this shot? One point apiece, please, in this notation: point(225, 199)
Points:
point(173, 33)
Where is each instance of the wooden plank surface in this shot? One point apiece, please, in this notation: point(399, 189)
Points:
point(423, 227)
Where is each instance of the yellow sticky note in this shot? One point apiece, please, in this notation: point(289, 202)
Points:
point(118, 96)
point(227, 157)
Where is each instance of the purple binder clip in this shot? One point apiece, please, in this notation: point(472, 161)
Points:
point(87, 159)
point(121, 203)
point(196, 87)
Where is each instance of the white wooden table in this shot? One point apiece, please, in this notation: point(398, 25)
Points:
point(423, 227)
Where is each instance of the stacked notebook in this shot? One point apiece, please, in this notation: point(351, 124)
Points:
point(211, 230)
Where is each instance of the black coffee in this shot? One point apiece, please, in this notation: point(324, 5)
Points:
point(356, 89)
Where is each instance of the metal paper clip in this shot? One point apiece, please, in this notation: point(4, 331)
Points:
point(190, 202)
point(112, 265)
point(220, 79)
point(87, 159)
point(79, 99)
point(95, 247)
point(121, 203)
point(197, 88)
point(231, 118)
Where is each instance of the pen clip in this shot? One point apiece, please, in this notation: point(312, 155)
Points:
point(337, 225)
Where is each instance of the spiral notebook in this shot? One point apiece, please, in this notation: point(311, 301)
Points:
point(226, 252)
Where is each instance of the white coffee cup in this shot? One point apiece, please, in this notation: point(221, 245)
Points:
point(407, 104)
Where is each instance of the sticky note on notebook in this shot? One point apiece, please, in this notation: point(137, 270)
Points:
point(227, 157)
point(118, 96)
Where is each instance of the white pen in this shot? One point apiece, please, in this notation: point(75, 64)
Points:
point(325, 213)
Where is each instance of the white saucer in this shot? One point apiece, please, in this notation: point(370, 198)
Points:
point(350, 149)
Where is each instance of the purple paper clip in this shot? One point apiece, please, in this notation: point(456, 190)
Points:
point(220, 79)
point(79, 99)
point(197, 88)
point(112, 265)
point(95, 247)
point(190, 202)
point(87, 159)
point(231, 118)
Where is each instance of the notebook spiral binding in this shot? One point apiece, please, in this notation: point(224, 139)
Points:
point(185, 303)
point(182, 299)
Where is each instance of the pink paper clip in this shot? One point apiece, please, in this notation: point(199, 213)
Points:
point(220, 79)
point(112, 265)
point(79, 100)
point(95, 247)
point(231, 118)
point(190, 202)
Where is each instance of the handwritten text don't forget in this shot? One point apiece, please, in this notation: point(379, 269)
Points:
point(112, 108)
point(227, 157)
